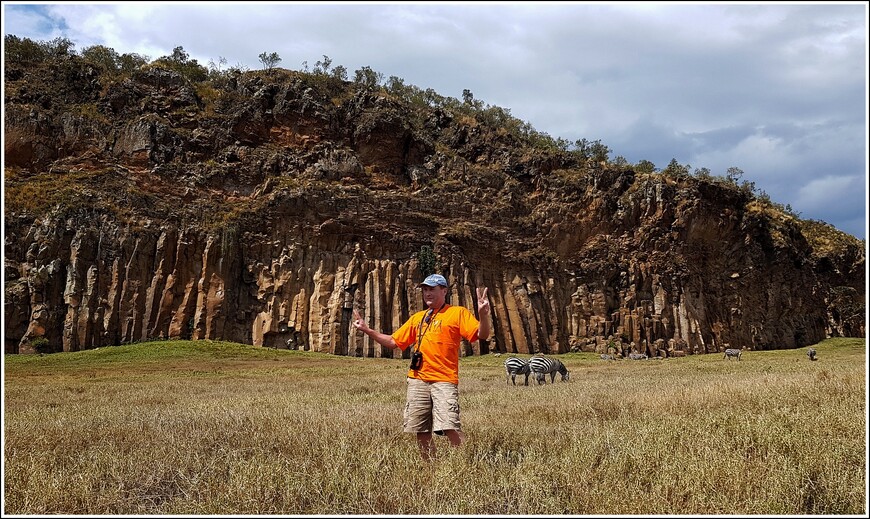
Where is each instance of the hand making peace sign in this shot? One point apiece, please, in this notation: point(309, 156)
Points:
point(482, 301)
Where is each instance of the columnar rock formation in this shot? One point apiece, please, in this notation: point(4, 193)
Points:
point(84, 285)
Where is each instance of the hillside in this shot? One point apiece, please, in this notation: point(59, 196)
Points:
point(261, 207)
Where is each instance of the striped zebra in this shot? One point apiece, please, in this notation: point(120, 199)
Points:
point(542, 366)
point(514, 366)
point(732, 352)
point(638, 356)
point(811, 353)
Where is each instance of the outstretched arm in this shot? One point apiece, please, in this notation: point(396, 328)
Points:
point(483, 312)
point(380, 338)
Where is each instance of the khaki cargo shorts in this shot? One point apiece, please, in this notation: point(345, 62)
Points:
point(431, 407)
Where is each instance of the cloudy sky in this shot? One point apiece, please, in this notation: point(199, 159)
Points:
point(777, 90)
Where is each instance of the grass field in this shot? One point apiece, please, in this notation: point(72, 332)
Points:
point(219, 428)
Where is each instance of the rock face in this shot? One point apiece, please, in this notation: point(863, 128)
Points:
point(263, 209)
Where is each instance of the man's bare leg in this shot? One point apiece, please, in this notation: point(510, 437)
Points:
point(456, 437)
point(427, 445)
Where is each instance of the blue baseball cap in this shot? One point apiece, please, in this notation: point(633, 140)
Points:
point(434, 280)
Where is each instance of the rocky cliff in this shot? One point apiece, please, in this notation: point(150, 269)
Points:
point(264, 207)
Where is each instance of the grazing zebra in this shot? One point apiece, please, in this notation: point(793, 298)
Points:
point(638, 356)
point(542, 366)
point(732, 352)
point(514, 366)
point(811, 353)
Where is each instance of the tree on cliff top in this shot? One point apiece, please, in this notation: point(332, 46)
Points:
point(269, 60)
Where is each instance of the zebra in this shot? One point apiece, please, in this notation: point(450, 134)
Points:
point(732, 352)
point(811, 353)
point(514, 366)
point(541, 366)
point(638, 356)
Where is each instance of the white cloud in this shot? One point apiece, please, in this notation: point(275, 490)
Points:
point(827, 194)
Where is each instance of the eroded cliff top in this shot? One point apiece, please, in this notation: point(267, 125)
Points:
point(362, 162)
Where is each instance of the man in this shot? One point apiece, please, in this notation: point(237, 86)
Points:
point(433, 380)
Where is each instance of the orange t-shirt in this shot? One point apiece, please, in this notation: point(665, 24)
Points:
point(440, 344)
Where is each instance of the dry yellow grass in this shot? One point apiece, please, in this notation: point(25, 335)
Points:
point(216, 428)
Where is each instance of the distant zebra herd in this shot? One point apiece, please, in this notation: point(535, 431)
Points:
point(735, 353)
point(540, 367)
